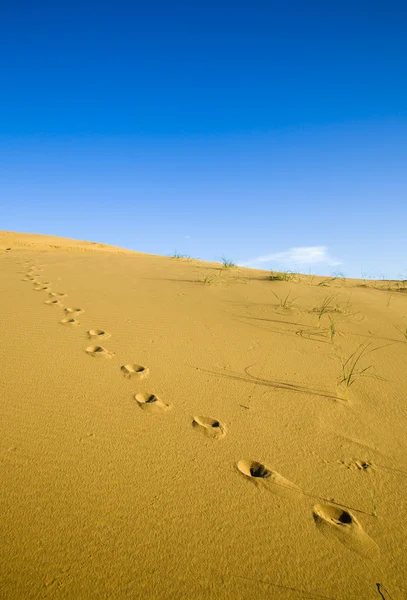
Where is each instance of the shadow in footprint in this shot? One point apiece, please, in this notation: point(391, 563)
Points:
point(57, 295)
point(263, 476)
point(212, 428)
point(150, 403)
point(73, 311)
point(69, 321)
point(99, 352)
point(337, 523)
point(42, 288)
point(53, 302)
point(99, 334)
point(134, 371)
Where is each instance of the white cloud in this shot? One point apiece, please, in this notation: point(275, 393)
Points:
point(305, 255)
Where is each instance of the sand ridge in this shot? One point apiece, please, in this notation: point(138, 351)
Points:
point(146, 473)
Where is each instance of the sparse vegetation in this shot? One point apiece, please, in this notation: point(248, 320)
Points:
point(399, 285)
point(282, 276)
point(325, 307)
point(178, 256)
point(327, 281)
point(227, 263)
point(208, 278)
point(211, 277)
point(330, 305)
point(351, 369)
point(286, 302)
point(331, 328)
point(339, 275)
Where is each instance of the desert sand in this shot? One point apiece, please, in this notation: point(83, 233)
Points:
point(171, 429)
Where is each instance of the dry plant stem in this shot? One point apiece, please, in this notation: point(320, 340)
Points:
point(402, 331)
point(332, 328)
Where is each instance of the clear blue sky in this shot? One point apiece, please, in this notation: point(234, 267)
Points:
point(273, 133)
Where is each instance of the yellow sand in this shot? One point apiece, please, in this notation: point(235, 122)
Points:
point(223, 460)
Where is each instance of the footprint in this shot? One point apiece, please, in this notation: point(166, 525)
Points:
point(338, 523)
point(42, 288)
point(360, 465)
point(259, 474)
point(150, 403)
point(56, 295)
point(69, 321)
point(73, 311)
point(53, 302)
point(136, 371)
point(98, 333)
point(99, 352)
point(209, 427)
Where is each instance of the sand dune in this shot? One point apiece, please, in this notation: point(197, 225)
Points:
point(197, 432)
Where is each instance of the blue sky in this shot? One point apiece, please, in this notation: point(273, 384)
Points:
point(273, 134)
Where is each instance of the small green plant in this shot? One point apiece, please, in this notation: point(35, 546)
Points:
point(211, 278)
point(286, 302)
point(325, 307)
point(282, 276)
point(207, 278)
point(345, 308)
point(329, 305)
point(227, 263)
point(177, 255)
point(351, 369)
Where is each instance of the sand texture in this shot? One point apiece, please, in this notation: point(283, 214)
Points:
point(174, 430)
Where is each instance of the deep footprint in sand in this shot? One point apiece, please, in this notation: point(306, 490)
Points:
point(150, 403)
point(337, 523)
point(261, 475)
point(99, 352)
point(69, 321)
point(73, 311)
point(53, 302)
point(134, 371)
point(99, 334)
point(210, 427)
point(57, 295)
